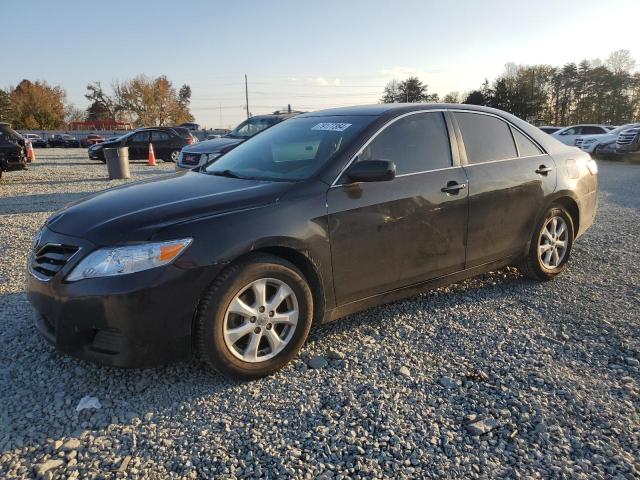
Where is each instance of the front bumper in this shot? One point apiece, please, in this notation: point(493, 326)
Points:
point(138, 320)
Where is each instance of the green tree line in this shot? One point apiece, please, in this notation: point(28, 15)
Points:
point(141, 101)
point(587, 92)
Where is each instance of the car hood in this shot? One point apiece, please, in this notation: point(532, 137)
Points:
point(135, 212)
point(211, 146)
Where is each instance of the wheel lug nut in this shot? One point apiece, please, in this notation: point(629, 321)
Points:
point(271, 314)
point(268, 326)
point(256, 330)
point(261, 309)
point(253, 319)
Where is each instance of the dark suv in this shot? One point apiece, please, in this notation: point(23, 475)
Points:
point(64, 140)
point(13, 154)
point(167, 143)
point(196, 155)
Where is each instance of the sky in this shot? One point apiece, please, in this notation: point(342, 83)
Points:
point(310, 54)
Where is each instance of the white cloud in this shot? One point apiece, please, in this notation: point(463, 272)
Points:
point(403, 72)
point(323, 82)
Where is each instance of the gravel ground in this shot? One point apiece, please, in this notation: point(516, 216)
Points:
point(497, 376)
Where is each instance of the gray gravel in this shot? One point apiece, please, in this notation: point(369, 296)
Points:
point(497, 376)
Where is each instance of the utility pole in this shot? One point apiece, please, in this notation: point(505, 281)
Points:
point(246, 94)
point(220, 105)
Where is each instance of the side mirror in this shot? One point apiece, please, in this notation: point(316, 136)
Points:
point(372, 171)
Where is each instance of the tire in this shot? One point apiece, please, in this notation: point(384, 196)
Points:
point(535, 265)
point(173, 156)
point(215, 323)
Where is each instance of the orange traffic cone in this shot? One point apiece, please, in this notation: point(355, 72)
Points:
point(152, 156)
point(31, 155)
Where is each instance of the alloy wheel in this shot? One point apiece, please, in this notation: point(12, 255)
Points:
point(553, 242)
point(260, 320)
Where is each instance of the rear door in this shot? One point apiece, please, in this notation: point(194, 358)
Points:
point(163, 143)
point(386, 235)
point(509, 178)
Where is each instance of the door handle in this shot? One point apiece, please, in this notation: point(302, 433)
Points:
point(543, 170)
point(453, 187)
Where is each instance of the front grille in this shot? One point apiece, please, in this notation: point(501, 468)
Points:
point(191, 158)
point(626, 138)
point(49, 259)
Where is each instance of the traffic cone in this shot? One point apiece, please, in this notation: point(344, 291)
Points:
point(152, 156)
point(31, 155)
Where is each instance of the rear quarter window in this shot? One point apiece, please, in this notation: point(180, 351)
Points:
point(526, 148)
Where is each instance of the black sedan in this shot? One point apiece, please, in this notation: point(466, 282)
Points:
point(317, 217)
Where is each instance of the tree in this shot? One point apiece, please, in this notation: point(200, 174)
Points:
point(37, 105)
point(73, 114)
point(620, 61)
point(153, 101)
point(391, 92)
point(475, 97)
point(6, 107)
point(103, 106)
point(451, 97)
point(411, 90)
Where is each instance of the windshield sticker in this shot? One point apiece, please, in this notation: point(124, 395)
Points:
point(331, 127)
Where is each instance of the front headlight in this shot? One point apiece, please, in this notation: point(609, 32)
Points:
point(107, 262)
point(213, 156)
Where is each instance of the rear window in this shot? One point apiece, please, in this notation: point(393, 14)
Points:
point(486, 138)
point(182, 131)
point(8, 135)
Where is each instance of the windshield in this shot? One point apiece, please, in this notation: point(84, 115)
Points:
point(250, 127)
point(292, 150)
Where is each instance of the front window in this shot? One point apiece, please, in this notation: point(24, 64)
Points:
point(250, 127)
point(292, 150)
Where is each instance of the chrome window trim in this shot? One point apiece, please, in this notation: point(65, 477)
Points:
point(442, 110)
point(505, 160)
point(515, 144)
point(378, 132)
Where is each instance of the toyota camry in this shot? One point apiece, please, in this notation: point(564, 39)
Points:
point(320, 216)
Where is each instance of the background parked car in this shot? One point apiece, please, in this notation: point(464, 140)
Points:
point(167, 143)
point(190, 126)
point(92, 139)
point(204, 152)
point(13, 154)
point(36, 140)
point(591, 143)
point(568, 135)
point(628, 142)
point(549, 129)
point(63, 140)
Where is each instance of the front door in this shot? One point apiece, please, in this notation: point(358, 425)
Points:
point(509, 178)
point(138, 145)
point(385, 235)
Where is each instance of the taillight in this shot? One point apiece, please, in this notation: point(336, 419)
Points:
point(190, 140)
point(592, 166)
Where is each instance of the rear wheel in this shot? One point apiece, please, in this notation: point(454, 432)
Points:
point(173, 156)
point(254, 318)
point(551, 245)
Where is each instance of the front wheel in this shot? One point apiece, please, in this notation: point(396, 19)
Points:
point(254, 318)
point(551, 245)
